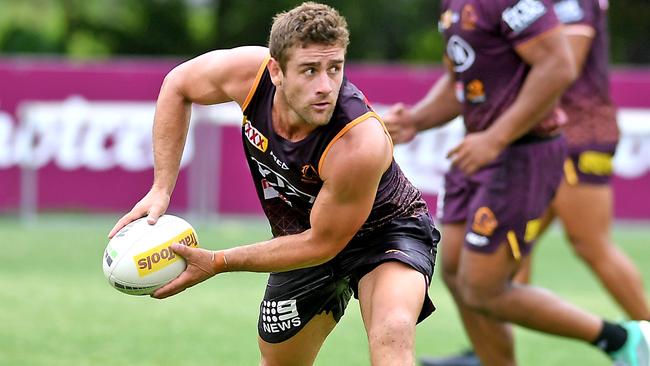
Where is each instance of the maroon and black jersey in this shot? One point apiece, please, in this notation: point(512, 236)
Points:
point(481, 37)
point(287, 174)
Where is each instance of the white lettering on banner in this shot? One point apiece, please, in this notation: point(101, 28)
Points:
point(76, 133)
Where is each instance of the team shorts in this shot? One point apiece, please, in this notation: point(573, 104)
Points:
point(589, 164)
point(503, 201)
point(293, 298)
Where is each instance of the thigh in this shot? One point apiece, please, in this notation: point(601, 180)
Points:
point(483, 276)
point(391, 291)
point(453, 237)
point(585, 211)
point(302, 348)
point(292, 299)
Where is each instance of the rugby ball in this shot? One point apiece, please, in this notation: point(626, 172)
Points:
point(139, 259)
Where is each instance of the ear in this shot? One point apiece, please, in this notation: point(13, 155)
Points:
point(275, 71)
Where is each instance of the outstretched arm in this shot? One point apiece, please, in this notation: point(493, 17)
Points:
point(351, 173)
point(215, 77)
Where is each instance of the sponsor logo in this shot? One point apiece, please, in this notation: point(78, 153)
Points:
point(162, 255)
point(523, 14)
point(460, 53)
point(476, 240)
point(389, 251)
point(447, 19)
point(308, 174)
point(596, 163)
point(279, 162)
point(275, 181)
point(569, 11)
point(475, 91)
point(468, 17)
point(484, 221)
point(279, 316)
point(254, 136)
point(75, 133)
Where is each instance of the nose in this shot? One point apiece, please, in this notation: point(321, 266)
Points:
point(324, 83)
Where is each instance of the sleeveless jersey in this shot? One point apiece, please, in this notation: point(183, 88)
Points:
point(587, 103)
point(286, 174)
point(481, 36)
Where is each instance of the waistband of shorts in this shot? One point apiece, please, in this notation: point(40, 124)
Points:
point(533, 139)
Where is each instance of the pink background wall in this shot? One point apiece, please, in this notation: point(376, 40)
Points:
point(117, 189)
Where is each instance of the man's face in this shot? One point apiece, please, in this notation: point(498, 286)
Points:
point(312, 80)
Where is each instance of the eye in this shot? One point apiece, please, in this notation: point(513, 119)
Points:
point(334, 69)
point(309, 71)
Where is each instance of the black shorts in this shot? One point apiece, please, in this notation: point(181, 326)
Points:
point(293, 298)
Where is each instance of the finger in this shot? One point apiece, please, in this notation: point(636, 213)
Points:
point(154, 214)
point(182, 250)
point(122, 222)
point(397, 108)
point(175, 286)
point(453, 152)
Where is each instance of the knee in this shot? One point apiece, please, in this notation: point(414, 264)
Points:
point(395, 329)
point(589, 250)
point(476, 297)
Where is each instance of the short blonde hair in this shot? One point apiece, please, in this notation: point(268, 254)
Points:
point(310, 23)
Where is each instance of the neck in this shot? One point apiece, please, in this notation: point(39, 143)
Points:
point(287, 123)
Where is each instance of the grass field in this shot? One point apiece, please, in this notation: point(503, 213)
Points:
point(57, 309)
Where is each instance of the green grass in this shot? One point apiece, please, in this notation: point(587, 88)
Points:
point(56, 308)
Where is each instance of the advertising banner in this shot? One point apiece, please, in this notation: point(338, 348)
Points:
point(78, 137)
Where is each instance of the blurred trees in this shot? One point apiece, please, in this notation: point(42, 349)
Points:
point(381, 30)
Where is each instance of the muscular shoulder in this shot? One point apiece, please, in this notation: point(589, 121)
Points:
point(221, 75)
point(365, 150)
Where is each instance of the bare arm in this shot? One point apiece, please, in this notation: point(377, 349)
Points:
point(438, 107)
point(215, 77)
point(351, 174)
point(580, 37)
point(552, 71)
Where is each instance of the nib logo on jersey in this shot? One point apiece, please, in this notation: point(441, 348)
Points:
point(279, 316)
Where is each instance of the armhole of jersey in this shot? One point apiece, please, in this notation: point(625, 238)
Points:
point(579, 30)
point(345, 129)
point(534, 39)
point(256, 83)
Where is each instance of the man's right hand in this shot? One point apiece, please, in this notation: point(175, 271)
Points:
point(153, 205)
point(400, 124)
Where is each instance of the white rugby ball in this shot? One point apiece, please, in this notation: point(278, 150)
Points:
point(138, 259)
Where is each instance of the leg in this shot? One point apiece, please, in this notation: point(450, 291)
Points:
point(484, 288)
point(391, 297)
point(586, 212)
point(300, 349)
point(498, 347)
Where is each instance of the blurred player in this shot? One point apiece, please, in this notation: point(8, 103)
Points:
point(344, 218)
point(584, 198)
point(508, 62)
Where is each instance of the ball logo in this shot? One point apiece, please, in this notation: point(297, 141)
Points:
point(161, 256)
